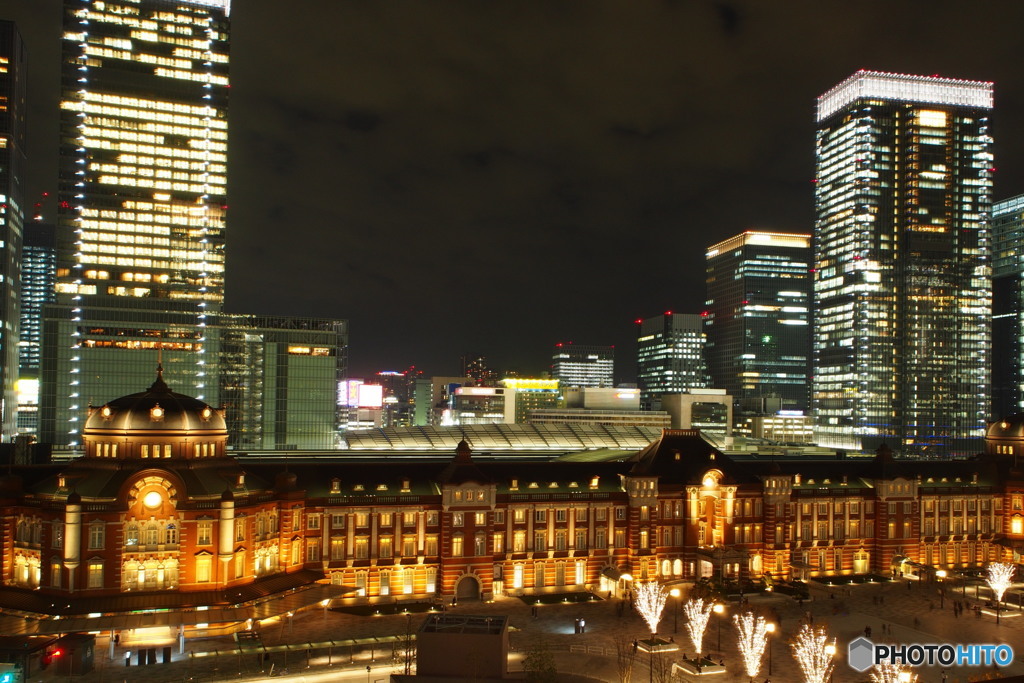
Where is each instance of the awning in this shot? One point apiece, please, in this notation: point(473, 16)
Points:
point(899, 559)
point(612, 573)
point(270, 607)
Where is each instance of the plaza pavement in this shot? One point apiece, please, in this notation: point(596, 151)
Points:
point(845, 611)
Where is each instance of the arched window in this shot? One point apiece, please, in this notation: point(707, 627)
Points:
point(172, 534)
point(131, 534)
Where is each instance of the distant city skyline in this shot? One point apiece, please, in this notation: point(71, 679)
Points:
point(619, 141)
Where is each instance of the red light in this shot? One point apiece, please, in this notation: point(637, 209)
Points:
point(638, 321)
point(57, 653)
point(668, 312)
point(559, 345)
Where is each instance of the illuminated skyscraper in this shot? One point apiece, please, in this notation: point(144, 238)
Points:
point(670, 357)
point(580, 365)
point(38, 265)
point(1007, 306)
point(758, 316)
point(142, 201)
point(12, 162)
point(902, 281)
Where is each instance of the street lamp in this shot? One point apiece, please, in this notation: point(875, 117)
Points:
point(675, 593)
point(625, 578)
point(770, 629)
point(941, 576)
point(719, 608)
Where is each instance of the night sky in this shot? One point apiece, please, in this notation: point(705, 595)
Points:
point(496, 176)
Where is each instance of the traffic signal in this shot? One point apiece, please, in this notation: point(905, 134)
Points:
point(47, 658)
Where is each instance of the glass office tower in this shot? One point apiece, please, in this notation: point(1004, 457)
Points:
point(142, 202)
point(670, 357)
point(38, 267)
point(902, 281)
point(1007, 306)
point(758, 317)
point(12, 163)
point(583, 365)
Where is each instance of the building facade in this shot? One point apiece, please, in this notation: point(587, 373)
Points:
point(38, 271)
point(670, 356)
point(902, 285)
point(12, 215)
point(580, 365)
point(141, 199)
point(1007, 305)
point(157, 512)
point(758, 316)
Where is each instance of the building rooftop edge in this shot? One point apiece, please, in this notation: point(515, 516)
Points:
point(906, 88)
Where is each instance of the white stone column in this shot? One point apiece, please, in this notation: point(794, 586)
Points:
point(226, 536)
point(72, 538)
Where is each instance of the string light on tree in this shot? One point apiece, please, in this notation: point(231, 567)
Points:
point(888, 672)
point(650, 602)
point(813, 652)
point(1000, 576)
point(697, 612)
point(752, 636)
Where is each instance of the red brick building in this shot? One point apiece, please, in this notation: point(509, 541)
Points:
point(157, 515)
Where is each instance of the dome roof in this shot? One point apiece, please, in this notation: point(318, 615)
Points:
point(1011, 427)
point(156, 409)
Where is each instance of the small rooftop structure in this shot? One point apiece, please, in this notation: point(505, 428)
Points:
point(452, 647)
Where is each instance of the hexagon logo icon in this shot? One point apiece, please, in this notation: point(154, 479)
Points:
point(861, 654)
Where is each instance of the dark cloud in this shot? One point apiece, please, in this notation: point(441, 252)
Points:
point(500, 176)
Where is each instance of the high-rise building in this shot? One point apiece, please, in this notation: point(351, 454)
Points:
point(902, 285)
point(474, 366)
point(758, 316)
point(278, 379)
point(670, 357)
point(1007, 305)
point(141, 201)
point(399, 400)
point(12, 163)
point(38, 267)
point(580, 365)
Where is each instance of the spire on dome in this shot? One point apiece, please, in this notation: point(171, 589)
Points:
point(159, 384)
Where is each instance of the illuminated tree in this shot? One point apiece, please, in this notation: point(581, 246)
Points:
point(813, 652)
point(752, 636)
point(697, 614)
point(650, 602)
point(887, 672)
point(1000, 576)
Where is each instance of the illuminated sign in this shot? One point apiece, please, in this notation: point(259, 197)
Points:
point(371, 396)
point(525, 384)
point(476, 391)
